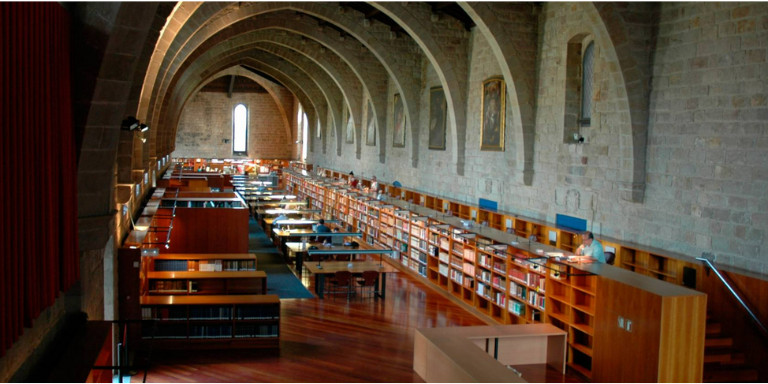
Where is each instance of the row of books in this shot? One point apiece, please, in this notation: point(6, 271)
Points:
point(204, 265)
point(210, 331)
point(164, 313)
point(257, 330)
point(253, 312)
point(172, 286)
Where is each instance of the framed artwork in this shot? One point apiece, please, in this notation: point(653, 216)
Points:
point(350, 131)
point(370, 126)
point(437, 116)
point(492, 115)
point(398, 118)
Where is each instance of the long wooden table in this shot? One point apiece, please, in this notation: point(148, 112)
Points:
point(321, 269)
point(300, 250)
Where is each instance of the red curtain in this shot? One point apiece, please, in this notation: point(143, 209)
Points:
point(38, 221)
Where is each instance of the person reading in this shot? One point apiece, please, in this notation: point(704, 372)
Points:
point(322, 228)
point(276, 221)
point(591, 247)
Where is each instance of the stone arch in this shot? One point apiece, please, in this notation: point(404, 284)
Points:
point(301, 86)
point(448, 55)
point(632, 43)
point(272, 90)
point(402, 71)
point(107, 94)
point(329, 92)
point(516, 54)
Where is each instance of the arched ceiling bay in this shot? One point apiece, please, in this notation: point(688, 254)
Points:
point(330, 55)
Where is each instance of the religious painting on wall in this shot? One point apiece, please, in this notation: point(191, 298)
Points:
point(350, 135)
point(492, 115)
point(370, 126)
point(399, 122)
point(437, 117)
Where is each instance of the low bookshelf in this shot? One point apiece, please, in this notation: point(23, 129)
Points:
point(227, 321)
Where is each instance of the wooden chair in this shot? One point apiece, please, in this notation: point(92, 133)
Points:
point(340, 283)
point(367, 283)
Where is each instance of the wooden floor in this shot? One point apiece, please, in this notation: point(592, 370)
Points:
point(334, 341)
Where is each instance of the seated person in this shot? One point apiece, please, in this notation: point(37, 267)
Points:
point(322, 228)
point(374, 186)
point(275, 223)
point(591, 247)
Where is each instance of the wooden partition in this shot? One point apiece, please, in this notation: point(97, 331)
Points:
point(659, 328)
point(209, 230)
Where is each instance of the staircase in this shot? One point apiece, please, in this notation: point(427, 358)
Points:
point(722, 362)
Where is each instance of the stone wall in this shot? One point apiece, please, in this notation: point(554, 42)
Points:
point(708, 144)
point(707, 148)
point(206, 122)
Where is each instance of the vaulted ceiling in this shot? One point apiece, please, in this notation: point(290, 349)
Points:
point(330, 55)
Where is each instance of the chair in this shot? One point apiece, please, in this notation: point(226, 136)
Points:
point(610, 257)
point(368, 283)
point(340, 283)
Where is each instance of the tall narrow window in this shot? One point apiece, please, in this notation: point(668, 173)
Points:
point(579, 75)
point(586, 85)
point(302, 124)
point(240, 130)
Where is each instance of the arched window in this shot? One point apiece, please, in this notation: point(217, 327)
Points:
point(302, 124)
point(240, 130)
point(579, 70)
point(586, 85)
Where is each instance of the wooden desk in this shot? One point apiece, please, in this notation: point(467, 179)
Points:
point(481, 353)
point(300, 249)
point(357, 267)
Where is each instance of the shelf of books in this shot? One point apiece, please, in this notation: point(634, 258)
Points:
point(571, 304)
point(502, 268)
point(239, 321)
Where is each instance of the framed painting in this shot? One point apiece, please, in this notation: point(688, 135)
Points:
point(398, 117)
point(370, 126)
point(437, 116)
point(350, 128)
point(492, 115)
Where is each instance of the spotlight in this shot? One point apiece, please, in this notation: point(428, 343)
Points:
point(143, 127)
point(129, 123)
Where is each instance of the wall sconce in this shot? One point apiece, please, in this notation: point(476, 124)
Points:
point(129, 123)
point(578, 138)
point(143, 127)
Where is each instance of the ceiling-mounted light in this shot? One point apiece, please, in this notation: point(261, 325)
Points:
point(143, 127)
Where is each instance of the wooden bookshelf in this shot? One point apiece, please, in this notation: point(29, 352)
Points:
point(206, 283)
point(507, 270)
point(231, 321)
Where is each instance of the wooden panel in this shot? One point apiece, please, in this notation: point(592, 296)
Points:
point(210, 230)
point(209, 299)
point(681, 354)
point(619, 355)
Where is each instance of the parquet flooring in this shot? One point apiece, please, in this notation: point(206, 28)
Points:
point(332, 341)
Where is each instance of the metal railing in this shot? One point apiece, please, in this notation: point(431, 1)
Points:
point(708, 258)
